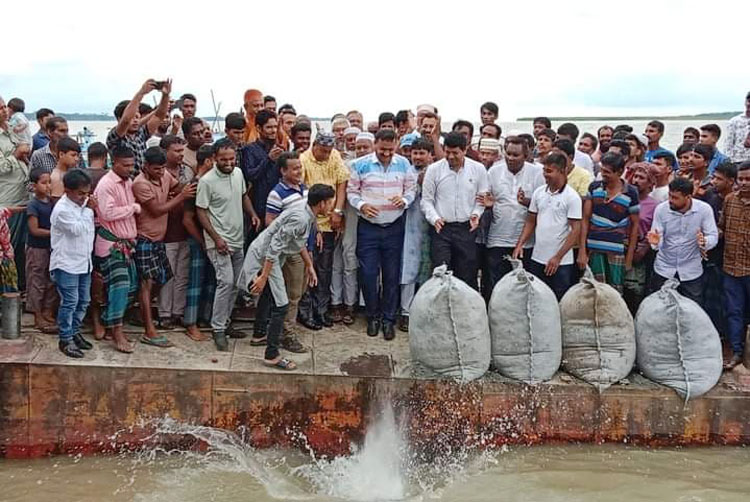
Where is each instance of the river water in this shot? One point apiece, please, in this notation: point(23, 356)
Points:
point(383, 469)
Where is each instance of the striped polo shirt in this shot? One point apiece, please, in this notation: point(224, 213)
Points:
point(610, 218)
point(375, 184)
point(282, 197)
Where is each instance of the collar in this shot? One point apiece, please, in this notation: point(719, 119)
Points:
point(309, 211)
point(116, 177)
point(220, 174)
point(691, 210)
point(155, 183)
point(289, 187)
point(562, 189)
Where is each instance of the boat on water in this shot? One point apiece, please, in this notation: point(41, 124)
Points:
point(85, 138)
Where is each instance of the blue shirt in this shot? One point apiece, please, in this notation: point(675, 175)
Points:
point(40, 140)
point(283, 197)
point(677, 251)
point(610, 218)
point(42, 210)
point(718, 158)
point(260, 172)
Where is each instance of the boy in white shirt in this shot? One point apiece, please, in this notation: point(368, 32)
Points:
point(555, 221)
point(72, 242)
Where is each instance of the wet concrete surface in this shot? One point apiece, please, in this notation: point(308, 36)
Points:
point(338, 351)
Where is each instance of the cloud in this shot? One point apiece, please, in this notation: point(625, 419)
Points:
point(545, 57)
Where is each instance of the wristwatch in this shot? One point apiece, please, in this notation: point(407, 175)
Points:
point(340, 212)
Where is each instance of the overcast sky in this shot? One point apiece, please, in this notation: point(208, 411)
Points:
point(533, 57)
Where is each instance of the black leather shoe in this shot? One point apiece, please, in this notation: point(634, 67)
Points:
point(373, 327)
point(389, 331)
point(220, 339)
point(81, 342)
point(233, 333)
point(403, 323)
point(310, 323)
point(70, 349)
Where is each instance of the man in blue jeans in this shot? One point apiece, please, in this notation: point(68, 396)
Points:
point(735, 222)
point(554, 219)
point(382, 186)
point(72, 242)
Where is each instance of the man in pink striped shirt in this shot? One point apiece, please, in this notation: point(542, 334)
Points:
point(382, 186)
point(115, 241)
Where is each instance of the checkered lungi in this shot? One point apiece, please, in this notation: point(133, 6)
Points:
point(151, 260)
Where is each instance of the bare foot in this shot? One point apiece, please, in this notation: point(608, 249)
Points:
point(195, 334)
point(99, 331)
point(125, 346)
point(121, 341)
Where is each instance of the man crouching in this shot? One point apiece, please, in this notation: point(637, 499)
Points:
point(261, 273)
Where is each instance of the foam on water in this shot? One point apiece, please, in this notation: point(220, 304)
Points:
point(383, 469)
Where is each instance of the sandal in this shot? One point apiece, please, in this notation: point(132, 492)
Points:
point(283, 364)
point(348, 317)
point(159, 341)
point(258, 342)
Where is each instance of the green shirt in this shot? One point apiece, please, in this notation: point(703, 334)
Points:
point(221, 194)
point(14, 175)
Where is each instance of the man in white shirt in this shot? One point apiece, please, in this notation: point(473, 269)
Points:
point(555, 222)
point(72, 242)
point(682, 232)
point(512, 182)
point(453, 195)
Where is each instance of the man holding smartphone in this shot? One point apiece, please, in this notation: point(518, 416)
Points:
point(258, 161)
point(129, 132)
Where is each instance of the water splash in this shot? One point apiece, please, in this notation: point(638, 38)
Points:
point(383, 469)
point(374, 473)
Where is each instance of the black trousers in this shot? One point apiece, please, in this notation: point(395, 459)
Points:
point(315, 301)
point(456, 247)
point(499, 266)
point(269, 322)
point(690, 289)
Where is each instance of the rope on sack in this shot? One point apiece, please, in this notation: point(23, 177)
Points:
point(523, 277)
point(529, 293)
point(670, 287)
point(449, 276)
point(588, 277)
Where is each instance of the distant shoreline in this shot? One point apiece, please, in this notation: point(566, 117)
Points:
point(700, 116)
point(103, 117)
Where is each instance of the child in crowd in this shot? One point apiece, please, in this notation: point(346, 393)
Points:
point(41, 298)
point(72, 241)
point(68, 156)
point(19, 124)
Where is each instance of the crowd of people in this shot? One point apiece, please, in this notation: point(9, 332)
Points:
point(309, 223)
